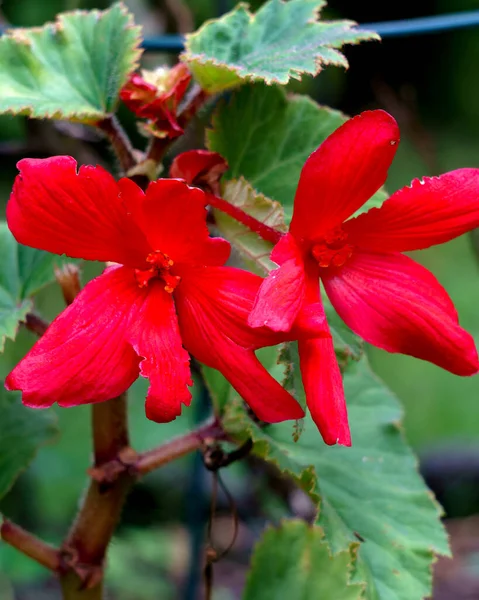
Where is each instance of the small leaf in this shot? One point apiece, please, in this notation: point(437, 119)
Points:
point(266, 138)
point(283, 40)
point(372, 490)
point(254, 250)
point(22, 432)
point(23, 272)
point(293, 561)
point(71, 69)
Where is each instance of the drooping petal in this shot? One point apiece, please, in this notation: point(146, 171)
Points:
point(320, 372)
point(431, 211)
point(84, 355)
point(200, 167)
point(281, 294)
point(343, 173)
point(324, 391)
point(213, 306)
point(54, 208)
point(396, 304)
point(155, 336)
point(173, 217)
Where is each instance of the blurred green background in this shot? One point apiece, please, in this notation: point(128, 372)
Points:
point(431, 85)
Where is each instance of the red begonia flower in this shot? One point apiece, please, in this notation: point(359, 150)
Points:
point(156, 97)
point(384, 296)
point(201, 168)
point(169, 293)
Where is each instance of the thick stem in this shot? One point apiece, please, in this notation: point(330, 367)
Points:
point(85, 547)
point(264, 231)
point(119, 141)
point(30, 545)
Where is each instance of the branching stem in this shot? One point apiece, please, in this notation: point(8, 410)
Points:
point(30, 545)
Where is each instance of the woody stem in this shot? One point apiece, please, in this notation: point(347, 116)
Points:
point(119, 140)
point(88, 539)
point(268, 234)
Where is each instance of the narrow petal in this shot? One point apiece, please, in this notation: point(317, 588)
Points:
point(155, 336)
point(213, 305)
point(53, 207)
point(431, 211)
point(320, 372)
point(84, 355)
point(281, 294)
point(396, 304)
point(173, 217)
point(343, 173)
point(324, 391)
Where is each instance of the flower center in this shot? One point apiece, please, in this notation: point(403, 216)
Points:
point(160, 269)
point(332, 250)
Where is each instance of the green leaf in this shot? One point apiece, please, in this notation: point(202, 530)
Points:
point(22, 432)
point(71, 69)
point(267, 136)
point(23, 271)
point(254, 250)
point(369, 492)
point(293, 561)
point(348, 345)
point(283, 40)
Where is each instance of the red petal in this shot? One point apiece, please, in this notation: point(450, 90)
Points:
point(155, 336)
point(281, 294)
point(431, 211)
point(324, 391)
point(213, 305)
point(396, 304)
point(343, 173)
point(54, 208)
point(84, 356)
point(173, 217)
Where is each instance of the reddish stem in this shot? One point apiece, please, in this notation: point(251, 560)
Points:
point(36, 324)
point(268, 234)
point(119, 141)
point(178, 447)
point(30, 545)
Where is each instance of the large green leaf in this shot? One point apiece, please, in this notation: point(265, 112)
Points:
point(72, 69)
point(267, 136)
point(22, 431)
point(369, 492)
point(293, 561)
point(23, 271)
point(281, 41)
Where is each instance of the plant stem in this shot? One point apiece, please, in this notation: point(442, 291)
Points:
point(36, 324)
point(87, 542)
point(153, 459)
point(119, 141)
point(30, 545)
point(269, 234)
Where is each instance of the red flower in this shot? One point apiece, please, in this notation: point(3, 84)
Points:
point(156, 97)
point(384, 296)
point(201, 168)
point(169, 291)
